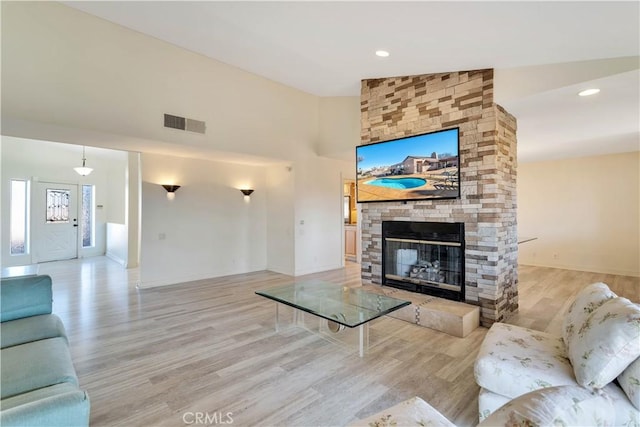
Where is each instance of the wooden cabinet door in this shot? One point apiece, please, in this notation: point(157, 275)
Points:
point(350, 241)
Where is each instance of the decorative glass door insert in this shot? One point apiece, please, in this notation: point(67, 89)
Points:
point(58, 206)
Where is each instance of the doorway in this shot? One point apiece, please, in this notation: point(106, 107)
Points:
point(107, 202)
point(350, 216)
point(55, 221)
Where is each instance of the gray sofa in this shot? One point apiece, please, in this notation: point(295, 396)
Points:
point(39, 386)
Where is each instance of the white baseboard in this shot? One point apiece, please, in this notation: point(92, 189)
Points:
point(318, 269)
point(588, 269)
point(116, 258)
point(175, 280)
point(281, 270)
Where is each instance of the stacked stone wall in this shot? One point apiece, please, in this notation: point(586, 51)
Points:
point(401, 106)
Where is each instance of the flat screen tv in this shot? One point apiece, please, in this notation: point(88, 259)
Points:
point(419, 167)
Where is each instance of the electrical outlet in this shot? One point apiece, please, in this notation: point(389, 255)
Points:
point(162, 236)
point(555, 256)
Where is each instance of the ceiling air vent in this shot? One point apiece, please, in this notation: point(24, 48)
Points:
point(196, 126)
point(182, 123)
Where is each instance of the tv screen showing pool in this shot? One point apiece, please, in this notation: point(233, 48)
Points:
point(412, 168)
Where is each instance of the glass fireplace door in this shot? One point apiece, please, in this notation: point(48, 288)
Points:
point(424, 262)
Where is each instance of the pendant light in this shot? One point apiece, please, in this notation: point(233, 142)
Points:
point(83, 170)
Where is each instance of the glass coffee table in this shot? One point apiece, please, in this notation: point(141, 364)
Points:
point(337, 308)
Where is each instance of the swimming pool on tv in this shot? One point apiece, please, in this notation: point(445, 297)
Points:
point(398, 183)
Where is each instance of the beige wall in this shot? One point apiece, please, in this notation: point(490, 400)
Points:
point(584, 212)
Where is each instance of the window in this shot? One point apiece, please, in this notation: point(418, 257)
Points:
point(19, 210)
point(87, 216)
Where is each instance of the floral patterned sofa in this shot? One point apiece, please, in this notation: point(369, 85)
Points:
point(589, 376)
point(599, 350)
point(552, 406)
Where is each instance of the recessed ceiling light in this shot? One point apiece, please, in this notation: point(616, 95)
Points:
point(588, 92)
point(382, 53)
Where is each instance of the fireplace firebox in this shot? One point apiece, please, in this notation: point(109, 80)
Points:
point(424, 257)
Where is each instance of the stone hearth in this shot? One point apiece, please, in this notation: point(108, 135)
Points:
point(451, 317)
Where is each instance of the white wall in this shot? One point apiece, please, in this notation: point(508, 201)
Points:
point(117, 199)
point(339, 128)
point(584, 212)
point(77, 76)
point(280, 218)
point(133, 205)
point(53, 162)
point(319, 225)
point(292, 223)
point(64, 67)
point(209, 230)
point(117, 243)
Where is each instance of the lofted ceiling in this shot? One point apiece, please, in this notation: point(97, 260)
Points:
point(543, 54)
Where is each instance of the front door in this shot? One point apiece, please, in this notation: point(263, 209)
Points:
point(55, 221)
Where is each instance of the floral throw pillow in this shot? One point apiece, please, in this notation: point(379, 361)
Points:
point(585, 303)
point(629, 381)
point(606, 343)
point(555, 406)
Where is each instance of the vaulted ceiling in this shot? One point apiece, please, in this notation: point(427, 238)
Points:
point(544, 53)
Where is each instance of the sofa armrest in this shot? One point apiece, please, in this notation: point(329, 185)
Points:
point(62, 405)
point(35, 365)
point(25, 296)
point(411, 412)
point(554, 406)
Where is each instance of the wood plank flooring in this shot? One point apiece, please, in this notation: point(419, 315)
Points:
point(156, 356)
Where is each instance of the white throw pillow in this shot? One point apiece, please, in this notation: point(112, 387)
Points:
point(585, 303)
point(629, 381)
point(606, 343)
point(555, 406)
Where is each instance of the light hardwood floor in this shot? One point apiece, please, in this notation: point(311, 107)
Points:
point(152, 357)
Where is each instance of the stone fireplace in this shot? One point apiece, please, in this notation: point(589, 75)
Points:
point(401, 106)
point(424, 257)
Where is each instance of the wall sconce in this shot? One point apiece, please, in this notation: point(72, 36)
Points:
point(247, 192)
point(171, 191)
